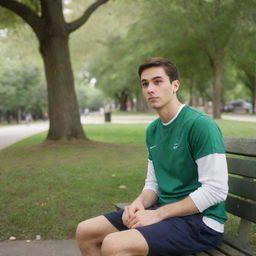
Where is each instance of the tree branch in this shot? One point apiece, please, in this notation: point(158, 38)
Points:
point(72, 26)
point(209, 55)
point(26, 13)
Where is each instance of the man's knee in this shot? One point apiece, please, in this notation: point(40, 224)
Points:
point(94, 229)
point(129, 242)
point(82, 230)
point(87, 229)
point(110, 246)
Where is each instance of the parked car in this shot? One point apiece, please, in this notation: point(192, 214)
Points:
point(238, 106)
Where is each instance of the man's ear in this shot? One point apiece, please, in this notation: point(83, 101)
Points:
point(176, 85)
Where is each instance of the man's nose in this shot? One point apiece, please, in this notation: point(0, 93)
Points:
point(151, 87)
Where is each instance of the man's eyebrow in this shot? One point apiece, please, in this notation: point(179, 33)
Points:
point(156, 77)
point(153, 78)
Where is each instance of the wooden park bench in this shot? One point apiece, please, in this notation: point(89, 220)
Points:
point(241, 200)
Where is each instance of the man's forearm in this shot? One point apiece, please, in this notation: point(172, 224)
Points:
point(181, 208)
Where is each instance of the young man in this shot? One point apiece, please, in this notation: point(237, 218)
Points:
point(181, 207)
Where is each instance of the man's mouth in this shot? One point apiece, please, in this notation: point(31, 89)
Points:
point(152, 98)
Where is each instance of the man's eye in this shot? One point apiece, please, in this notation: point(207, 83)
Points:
point(157, 81)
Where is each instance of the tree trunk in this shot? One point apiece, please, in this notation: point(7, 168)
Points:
point(141, 104)
point(205, 104)
point(122, 98)
point(19, 111)
point(253, 98)
point(123, 103)
point(192, 95)
point(9, 117)
point(63, 109)
point(217, 71)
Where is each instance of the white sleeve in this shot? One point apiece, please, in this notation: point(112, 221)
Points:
point(151, 182)
point(213, 176)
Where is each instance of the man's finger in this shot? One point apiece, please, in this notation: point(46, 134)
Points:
point(132, 221)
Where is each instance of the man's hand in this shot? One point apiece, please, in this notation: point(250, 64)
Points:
point(130, 210)
point(143, 218)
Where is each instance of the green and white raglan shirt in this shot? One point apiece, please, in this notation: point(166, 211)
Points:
point(187, 158)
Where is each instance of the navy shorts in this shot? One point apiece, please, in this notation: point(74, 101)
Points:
point(173, 236)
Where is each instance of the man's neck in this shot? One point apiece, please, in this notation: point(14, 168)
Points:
point(167, 113)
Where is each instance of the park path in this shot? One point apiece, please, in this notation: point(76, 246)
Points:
point(39, 248)
point(12, 133)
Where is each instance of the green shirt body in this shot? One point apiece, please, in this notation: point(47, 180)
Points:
point(174, 149)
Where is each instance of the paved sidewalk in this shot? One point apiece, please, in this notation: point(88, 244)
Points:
point(12, 133)
point(40, 248)
point(244, 118)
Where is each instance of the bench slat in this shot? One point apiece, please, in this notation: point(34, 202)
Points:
point(243, 167)
point(215, 252)
point(225, 248)
point(240, 146)
point(236, 243)
point(242, 187)
point(241, 208)
point(202, 254)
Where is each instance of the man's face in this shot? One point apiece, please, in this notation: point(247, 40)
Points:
point(157, 88)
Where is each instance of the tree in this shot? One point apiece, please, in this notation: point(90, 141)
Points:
point(47, 21)
point(212, 24)
point(113, 79)
point(89, 97)
point(158, 33)
point(245, 61)
point(104, 60)
point(22, 92)
point(243, 54)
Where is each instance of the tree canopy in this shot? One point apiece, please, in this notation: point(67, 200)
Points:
point(203, 37)
point(197, 35)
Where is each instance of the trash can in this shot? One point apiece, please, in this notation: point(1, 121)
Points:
point(107, 117)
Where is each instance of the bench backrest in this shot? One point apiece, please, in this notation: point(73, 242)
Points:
point(241, 200)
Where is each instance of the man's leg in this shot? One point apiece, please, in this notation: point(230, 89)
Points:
point(90, 234)
point(125, 243)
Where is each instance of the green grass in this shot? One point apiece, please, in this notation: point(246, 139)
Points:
point(117, 133)
point(237, 129)
point(48, 189)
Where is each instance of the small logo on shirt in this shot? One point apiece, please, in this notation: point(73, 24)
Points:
point(175, 146)
point(152, 147)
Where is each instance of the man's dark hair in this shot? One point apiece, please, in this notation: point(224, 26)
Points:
point(169, 67)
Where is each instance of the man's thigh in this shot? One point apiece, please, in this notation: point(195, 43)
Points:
point(179, 235)
point(95, 229)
